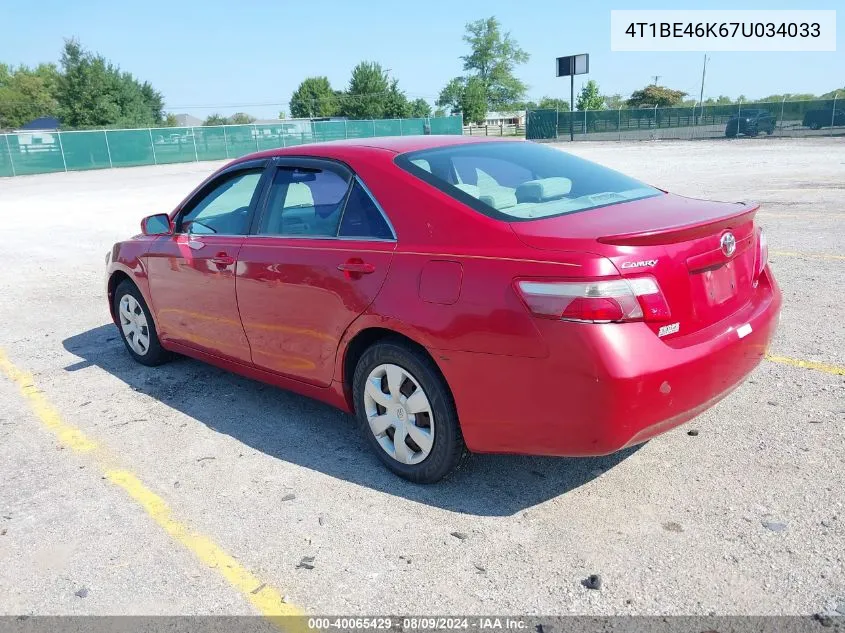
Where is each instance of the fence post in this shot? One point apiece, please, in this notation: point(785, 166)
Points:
point(557, 120)
point(783, 101)
point(619, 123)
point(345, 129)
point(655, 121)
point(374, 127)
point(62, 150)
point(108, 148)
point(194, 136)
point(585, 123)
point(255, 132)
point(694, 120)
point(152, 146)
point(833, 112)
point(400, 128)
point(225, 142)
point(9, 149)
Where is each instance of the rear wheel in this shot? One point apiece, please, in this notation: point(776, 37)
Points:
point(406, 412)
point(136, 326)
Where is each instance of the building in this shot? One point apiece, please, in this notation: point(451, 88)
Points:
point(505, 118)
point(186, 120)
point(42, 123)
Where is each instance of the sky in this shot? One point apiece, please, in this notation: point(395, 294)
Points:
point(207, 56)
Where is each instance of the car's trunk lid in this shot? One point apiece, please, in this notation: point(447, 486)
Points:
point(680, 241)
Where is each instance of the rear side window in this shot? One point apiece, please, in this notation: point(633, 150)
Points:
point(515, 181)
point(305, 202)
point(362, 218)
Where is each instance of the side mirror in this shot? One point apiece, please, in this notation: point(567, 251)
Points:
point(158, 224)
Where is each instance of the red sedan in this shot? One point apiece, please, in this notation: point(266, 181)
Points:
point(455, 294)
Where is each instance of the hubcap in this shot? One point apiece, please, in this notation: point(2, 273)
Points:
point(133, 324)
point(399, 414)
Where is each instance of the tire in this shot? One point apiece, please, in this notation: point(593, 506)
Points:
point(815, 126)
point(138, 329)
point(438, 424)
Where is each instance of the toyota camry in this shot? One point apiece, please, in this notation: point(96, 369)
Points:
point(455, 294)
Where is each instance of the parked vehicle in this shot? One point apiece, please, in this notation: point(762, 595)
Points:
point(817, 119)
point(455, 294)
point(750, 123)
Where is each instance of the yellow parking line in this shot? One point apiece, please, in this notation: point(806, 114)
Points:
point(811, 255)
point(267, 600)
point(807, 364)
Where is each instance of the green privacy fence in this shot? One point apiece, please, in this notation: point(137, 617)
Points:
point(789, 118)
point(43, 152)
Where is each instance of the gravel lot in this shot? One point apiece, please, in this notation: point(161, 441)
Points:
point(746, 517)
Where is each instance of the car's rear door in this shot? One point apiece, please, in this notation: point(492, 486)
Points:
point(315, 260)
point(192, 272)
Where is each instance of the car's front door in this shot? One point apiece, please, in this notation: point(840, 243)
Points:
point(316, 259)
point(192, 272)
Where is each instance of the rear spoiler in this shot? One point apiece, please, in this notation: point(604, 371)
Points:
point(706, 226)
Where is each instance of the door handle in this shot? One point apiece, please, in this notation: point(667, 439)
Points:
point(356, 266)
point(221, 260)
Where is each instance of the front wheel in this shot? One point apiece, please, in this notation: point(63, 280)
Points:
point(136, 326)
point(407, 413)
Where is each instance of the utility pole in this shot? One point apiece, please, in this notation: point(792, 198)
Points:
point(656, 78)
point(701, 94)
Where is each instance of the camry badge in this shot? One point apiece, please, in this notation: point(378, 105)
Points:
point(728, 244)
point(646, 263)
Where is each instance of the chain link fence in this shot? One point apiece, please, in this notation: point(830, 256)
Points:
point(39, 152)
point(823, 117)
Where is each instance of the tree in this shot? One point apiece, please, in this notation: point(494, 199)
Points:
point(552, 103)
point(590, 98)
point(655, 95)
point(439, 112)
point(451, 95)
point(215, 119)
point(26, 94)
point(240, 118)
point(720, 100)
point(282, 114)
point(474, 101)
point(314, 98)
point(614, 101)
point(838, 93)
point(170, 120)
point(396, 105)
point(420, 108)
point(368, 87)
point(493, 58)
point(92, 92)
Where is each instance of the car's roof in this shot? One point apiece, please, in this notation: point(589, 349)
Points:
point(392, 144)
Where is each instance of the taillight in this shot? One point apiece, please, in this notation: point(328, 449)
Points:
point(631, 299)
point(762, 253)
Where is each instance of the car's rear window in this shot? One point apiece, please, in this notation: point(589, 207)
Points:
point(515, 181)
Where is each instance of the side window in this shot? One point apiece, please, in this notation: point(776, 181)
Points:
point(304, 201)
point(362, 217)
point(224, 209)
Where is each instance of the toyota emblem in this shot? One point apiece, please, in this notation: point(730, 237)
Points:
point(728, 244)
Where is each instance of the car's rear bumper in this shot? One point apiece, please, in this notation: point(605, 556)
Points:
point(605, 387)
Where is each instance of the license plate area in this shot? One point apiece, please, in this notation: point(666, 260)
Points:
point(720, 284)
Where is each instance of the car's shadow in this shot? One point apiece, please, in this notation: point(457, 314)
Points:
point(296, 429)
